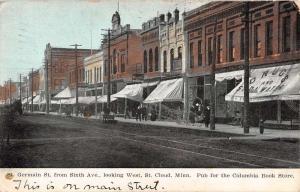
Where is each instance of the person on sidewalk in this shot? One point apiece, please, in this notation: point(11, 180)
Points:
point(138, 114)
point(206, 116)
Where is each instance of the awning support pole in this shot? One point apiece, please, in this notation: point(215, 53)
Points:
point(278, 111)
point(159, 110)
point(125, 108)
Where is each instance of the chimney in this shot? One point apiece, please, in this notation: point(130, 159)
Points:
point(162, 18)
point(176, 15)
point(169, 15)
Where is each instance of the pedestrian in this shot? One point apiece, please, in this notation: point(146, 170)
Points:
point(153, 114)
point(138, 114)
point(144, 113)
point(206, 116)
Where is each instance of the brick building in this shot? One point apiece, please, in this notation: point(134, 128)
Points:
point(7, 91)
point(125, 54)
point(274, 41)
point(61, 67)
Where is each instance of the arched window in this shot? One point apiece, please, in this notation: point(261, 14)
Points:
point(165, 61)
point(145, 61)
point(150, 60)
point(156, 58)
point(171, 58)
point(115, 61)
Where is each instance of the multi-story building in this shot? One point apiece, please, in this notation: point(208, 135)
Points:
point(274, 41)
point(62, 66)
point(93, 66)
point(8, 92)
point(125, 54)
point(171, 44)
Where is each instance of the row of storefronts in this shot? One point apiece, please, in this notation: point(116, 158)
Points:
point(167, 65)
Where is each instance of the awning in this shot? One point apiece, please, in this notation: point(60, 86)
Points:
point(166, 91)
point(149, 84)
point(229, 75)
point(66, 93)
point(24, 101)
point(267, 84)
point(132, 92)
point(36, 100)
point(81, 100)
point(103, 99)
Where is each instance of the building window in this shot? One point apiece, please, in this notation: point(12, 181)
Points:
point(269, 38)
point(286, 27)
point(298, 32)
point(145, 61)
point(165, 61)
point(172, 59)
point(191, 55)
point(150, 60)
point(114, 61)
point(242, 44)
point(105, 67)
point(219, 49)
point(95, 75)
point(199, 53)
point(122, 63)
point(231, 48)
point(257, 41)
point(209, 50)
point(156, 58)
point(100, 74)
point(180, 53)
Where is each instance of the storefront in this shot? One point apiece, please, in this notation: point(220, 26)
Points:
point(273, 90)
point(167, 99)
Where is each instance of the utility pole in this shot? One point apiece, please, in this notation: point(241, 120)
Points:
point(96, 94)
point(10, 91)
point(5, 92)
point(246, 70)
point(212, 80)
point(46, 86)
point(32, 90)
point(20, 87)
point(76, 78)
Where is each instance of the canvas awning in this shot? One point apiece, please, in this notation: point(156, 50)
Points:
point(24, 101)
point(166, 91)
point(149, 84)
point(229, 75)
point(66, 93)
point(133, 92)
point(81, 100)
point(36, 100)
point(103, 99)
point(267, 84)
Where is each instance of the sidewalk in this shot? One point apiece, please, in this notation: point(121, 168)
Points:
point(254, 131)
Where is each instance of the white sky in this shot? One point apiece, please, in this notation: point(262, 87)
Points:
point(26, 26)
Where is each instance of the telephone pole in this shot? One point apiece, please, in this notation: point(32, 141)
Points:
point(246, 70)
point(109, 67)
point(10, 91)
point(46, 86)
point(212, 80)
point(76, 78)
point(20, 87)
point(32, 90)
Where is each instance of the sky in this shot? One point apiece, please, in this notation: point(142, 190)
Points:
point(26, 26)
